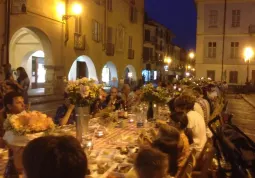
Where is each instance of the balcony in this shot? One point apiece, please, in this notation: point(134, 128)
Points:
point(151, 39)
point(131, 54)
point(252, 29)
point(109, 49)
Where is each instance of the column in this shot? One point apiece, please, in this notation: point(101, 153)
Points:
point(49, 80)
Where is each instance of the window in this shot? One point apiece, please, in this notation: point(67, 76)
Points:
point(78, 25)
point(236, 14)
point(130, 42)
point(212, 49)
point(109, 34)
point(211, 74)
point(147, 54)
point(213, 18)
point(133, 14)
point(233, 77)
point(96, 31)
point(147, 34)
point(234, 50)
point(109, 5)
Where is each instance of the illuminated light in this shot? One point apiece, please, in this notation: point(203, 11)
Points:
point(187, 74)
point(191, 55)
point(189, 66)
point(193, 69)
point(76, 9)
point(61, 10)
point(130, 75)
point(248, 53)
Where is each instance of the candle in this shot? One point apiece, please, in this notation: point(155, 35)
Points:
point(131, 120)
point(100, 133)
point(89, 144)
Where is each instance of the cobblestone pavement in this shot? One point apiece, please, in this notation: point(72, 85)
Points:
point(244, 115)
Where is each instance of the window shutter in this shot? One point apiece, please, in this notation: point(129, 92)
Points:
point(93, 29)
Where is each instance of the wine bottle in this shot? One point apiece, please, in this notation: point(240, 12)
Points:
point(10, 170)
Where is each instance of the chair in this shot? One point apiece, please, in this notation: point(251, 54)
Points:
point(186, 170)
point(205, 159)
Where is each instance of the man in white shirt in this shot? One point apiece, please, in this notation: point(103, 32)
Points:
point(196, 125)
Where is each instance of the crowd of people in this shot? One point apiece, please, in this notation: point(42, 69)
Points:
point(165, 156)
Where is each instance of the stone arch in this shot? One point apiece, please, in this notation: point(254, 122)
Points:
point(112, 79)
point(23, 44)
point(130, 69)
point(90, 67)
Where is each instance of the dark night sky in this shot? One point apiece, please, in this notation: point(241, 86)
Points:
point(179, 16)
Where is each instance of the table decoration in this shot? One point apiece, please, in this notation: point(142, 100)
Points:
point(153, 95)
point(82, 93)
point(22, 128)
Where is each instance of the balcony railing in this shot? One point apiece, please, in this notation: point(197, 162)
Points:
point(131, 54)
point(251, 29)
point(109, 49)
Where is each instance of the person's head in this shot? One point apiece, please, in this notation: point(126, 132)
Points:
point(102, 95)
point(197, 91)
point(114, 92)
point(167, 132)
point(21, 73)
point(14, 103)
point(184, 103)
point(180, 120)
point(54, 157)
point(168, 142)
point(126, 89)
point(151, 163)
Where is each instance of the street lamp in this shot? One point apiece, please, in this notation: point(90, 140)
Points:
point(168, 60)
point(191, 55)
point(248, 54)
point(76, 11)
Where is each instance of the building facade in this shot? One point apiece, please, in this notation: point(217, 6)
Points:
point(99, 39)
point(161, 58)
point(224, 30)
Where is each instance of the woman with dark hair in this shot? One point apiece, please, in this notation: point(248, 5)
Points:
point(180, 121)
point(168, 143)
point(23, 83)
point(54, 157)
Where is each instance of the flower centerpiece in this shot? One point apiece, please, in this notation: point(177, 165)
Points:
point(82, 93)
point(23, 127)
point(156, 95)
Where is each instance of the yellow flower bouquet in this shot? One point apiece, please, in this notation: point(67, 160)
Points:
point(82, 92)
point(28, 123)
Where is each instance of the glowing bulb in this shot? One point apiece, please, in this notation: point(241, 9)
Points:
point(77, 9)
point(191, 55)
point(61, 8)
point(248, 53)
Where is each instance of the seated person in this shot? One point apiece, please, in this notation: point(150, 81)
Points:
point(196, 123)
point(151, 163)
point(65, 114)
point(113, 100)
point(168, 143)
point(99, 106)
point(54, 157)
point(180, 121)
point(14, 103)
